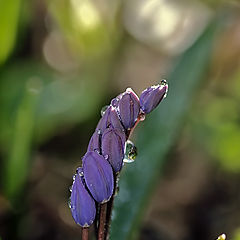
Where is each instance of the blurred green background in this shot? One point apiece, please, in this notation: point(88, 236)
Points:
point(62, 60)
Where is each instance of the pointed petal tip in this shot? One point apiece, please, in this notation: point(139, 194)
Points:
point(152, 96)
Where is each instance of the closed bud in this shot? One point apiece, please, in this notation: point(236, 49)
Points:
point(113, 142)
point(114, 120)
point(103, 122)
point(152, 96)
point(81, 203)
point(109, 118)
point(129, 108)
point(98, 176)
point(115, 101)
point(94, 143)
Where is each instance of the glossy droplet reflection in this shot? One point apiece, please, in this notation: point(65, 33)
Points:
point(130, 152)
point(141, 117)
point(69, 203)
point(163, 82)
point(103, 110)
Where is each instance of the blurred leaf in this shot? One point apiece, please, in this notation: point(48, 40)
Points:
point(237, 234)
point(28, 118)
point(9, 12)
point(17, 164)
point(215, 123)
point(89, 31)
point(158, 134)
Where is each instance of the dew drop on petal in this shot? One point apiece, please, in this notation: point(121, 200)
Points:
point(141, 116)
point(116, 191)
point(163, 82)
point(69, 203)
point(130, 152)
point(103, 110)
point(70, 188)
point(80, 171)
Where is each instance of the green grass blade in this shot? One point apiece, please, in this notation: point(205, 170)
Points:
point(158, 133)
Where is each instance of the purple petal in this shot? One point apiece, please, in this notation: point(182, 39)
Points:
point(94, 143)
point(114, 120)
point(98, 176)
point(115, 101)
point(129, 108)
point(109, 118)
point(152, 96)
point(82, 204)
point(113, 141)
point(103, 122)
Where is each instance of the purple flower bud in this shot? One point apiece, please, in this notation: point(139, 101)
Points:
point(103, 122)
point(152, 96)
point(82, 204)
point(94, 143)
point(114, 120)
point(115, 101)
point(109, 118)
point(98, 176)
point(129, 108)
point(113, 141)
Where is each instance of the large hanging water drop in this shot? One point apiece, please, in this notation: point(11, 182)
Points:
point(103, 110)
point(130, 152)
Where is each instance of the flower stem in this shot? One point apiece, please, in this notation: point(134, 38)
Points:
point(109, 215)
point(102, 221)
point(110, 202)
point(141, 117)
point(85, 233)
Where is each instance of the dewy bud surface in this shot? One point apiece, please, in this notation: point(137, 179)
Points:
point(94, 143)
point(109, 118)
point(98, 176)
point(113, 142)
point(152, 96)
point(82, 204)
point(129, 108)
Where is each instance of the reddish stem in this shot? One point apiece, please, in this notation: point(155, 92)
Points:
point(102, 221)
point(140, 118)
point(85, 231)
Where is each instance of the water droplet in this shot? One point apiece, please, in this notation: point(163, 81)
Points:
point(80, 171)
point(103, 110)
point(130, 152)
point(70, 188)
point(116, 191)
point(97, 151)
point(142, 117)
point(106, 157)
point(114, 102)
point(69, 203)
point(163, 82)
point(74, 176)
point(99, 132)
